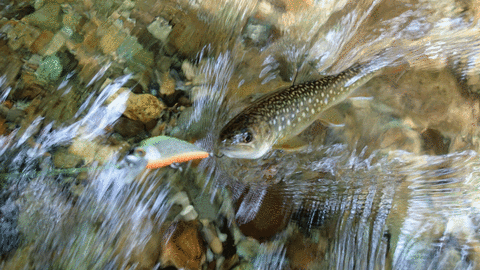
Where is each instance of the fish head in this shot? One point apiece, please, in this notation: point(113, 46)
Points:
point(245, 137)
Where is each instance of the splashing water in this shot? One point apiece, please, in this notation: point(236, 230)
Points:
point(377, 199)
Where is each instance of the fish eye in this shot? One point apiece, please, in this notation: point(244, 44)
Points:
point(248, 137)
point(139, 152)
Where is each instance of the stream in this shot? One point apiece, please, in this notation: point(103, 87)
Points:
point(387, 179)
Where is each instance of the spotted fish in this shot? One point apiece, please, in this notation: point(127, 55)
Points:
point(283, 114)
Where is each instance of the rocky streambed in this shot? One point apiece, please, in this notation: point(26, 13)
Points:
point(391, 181)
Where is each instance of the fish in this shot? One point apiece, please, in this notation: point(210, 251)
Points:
point(281, 115)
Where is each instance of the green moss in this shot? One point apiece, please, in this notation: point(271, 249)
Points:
point(49, 69)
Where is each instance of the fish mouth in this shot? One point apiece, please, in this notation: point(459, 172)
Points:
point(243, 152)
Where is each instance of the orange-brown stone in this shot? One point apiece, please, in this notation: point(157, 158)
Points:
point(143, 107)
point(3, 126)
point(42, 40)
point(183, 246)
point(301, 252)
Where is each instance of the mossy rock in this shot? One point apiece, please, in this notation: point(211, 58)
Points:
point(49, 69)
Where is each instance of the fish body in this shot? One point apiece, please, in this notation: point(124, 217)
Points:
point(283, 114)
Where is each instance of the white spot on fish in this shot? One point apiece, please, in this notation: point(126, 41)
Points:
point(323, 94)
point(309, 100)
point(303, 114)
point(313, 110)
point(283, 119)
point(301, 103)
point(288, 122)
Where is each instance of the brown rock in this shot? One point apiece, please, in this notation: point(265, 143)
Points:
point(460, 143)
point(85, 149)
point(272, 216)
point(183, 246)
point(108, 152)
point(90, 41)
point(144, 255)
point(141, 60)
point(212, 238)
point(150, 125)
point(128, 127)
point(302, 252)
point(22, 35)
point(230, 262)
point(63, 159)
point(46, 17)
point(188, 35)
point(29, 92)
point(8, 104)
point(59, 108)
point(401, 138)
point(15, 115)
point(433, 142)
point(10, 64)
point(92, 151)
point(89, 68)
point(168, 85)
point(158, 129)
point(112, 39)
point(184, 101)
point(42, 40)
point(144, 107)
point(164, 63)
point(57, 42)
point(3, 126)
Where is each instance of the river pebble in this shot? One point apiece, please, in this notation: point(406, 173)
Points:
point(183, 246)
point(143, 107)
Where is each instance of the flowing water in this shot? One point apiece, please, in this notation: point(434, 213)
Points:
point(379, 189)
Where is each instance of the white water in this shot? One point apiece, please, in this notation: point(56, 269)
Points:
point(394, 210)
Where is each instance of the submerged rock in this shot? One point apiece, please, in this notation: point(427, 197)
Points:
point(143, 107)
point(183, 246)
point(46, 17)
point(160, 29)
point(302, 253)
point(128, 127)
point(433, 142)
point(49, 69)
point(20, 34)
point(63, 159)
point(270, 218)
point(400, 138)
point(93, 151)
point(168, 85)
point(9, 235)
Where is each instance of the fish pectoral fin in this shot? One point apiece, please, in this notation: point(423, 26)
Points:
point(296, 143)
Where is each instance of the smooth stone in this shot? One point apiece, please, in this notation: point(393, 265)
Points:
point(189, 213)
point(183, 246)
point(143, 107)
point(160, 29)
